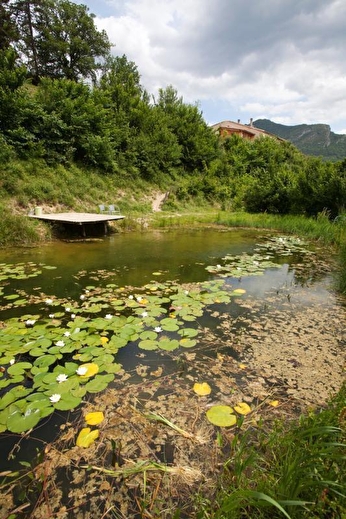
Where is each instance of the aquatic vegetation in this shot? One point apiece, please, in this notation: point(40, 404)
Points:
point(264, 257)
point(221, 415)
point(52, 361)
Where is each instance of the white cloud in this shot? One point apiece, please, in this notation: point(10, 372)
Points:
point(278, 59)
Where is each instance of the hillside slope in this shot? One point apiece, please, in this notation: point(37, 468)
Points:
point(311, 139)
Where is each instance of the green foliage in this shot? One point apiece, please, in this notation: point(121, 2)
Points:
point(114, 127)
point(8, 29)
point(59, 39)
point(19, 230)
point(312, 139)
point(297, 473)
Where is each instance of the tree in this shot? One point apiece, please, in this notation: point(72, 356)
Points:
point(8, 30)
point(198, 143)
point(12, 77)
point(58, 39)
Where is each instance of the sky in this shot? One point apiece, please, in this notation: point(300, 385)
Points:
point(282, 60)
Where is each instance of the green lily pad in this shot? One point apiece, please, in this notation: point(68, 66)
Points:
point(148, 344)
point(188, 332)
point(19, 422)
point(99, 383)
point(68, 401)
point(148, 335)
point(19, 368)
point(221, 415)
point(45, 360)
point(187, 343)
point(168, 345)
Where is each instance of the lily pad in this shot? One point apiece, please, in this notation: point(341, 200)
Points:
point(242, 408)
point(202, 388)
point(94, 418)
point(86, 437)
point(148, 344)
point(221, 415)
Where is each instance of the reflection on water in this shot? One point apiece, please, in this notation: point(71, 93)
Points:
point(132, 259)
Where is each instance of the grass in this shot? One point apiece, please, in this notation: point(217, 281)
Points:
point(297, 472)
point(18, 230)
point(293, 471)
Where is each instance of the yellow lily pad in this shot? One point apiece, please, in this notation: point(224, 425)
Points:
point(221, 415)
point(87, 370)
point(274, 403)
point(242, 408)
point(86, 437)
point(239, 291)
point(104, 340)
point(94, 418)
point(202, 388)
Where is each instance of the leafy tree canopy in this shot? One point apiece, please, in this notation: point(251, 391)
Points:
point(58, 39)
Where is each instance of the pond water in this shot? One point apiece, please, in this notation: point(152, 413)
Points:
point(130, 262)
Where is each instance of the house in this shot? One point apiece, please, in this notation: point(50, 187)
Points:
point(247, 131)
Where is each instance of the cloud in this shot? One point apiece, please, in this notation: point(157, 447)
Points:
point(279, 59)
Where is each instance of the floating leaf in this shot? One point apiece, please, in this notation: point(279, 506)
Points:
point(274, 403)
point(68, 401)
point(18, 368)
point(242, 408)
point(188, 332)
point(87, 370)
point(99, 383)
point(18, 421)
point(86, 437)
point(187, 343)
point(238, 292)
point(168, 344)
point(148, 335)
point(94, 418)
point(221, 415)
point(148, 345)
point(202, 388)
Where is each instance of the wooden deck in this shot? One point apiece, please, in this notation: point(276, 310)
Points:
point(77, 218)
point(81, 219)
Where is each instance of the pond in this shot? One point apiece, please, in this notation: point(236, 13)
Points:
point(148, 315)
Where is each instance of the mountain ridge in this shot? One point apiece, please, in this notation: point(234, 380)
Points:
point(312, 139)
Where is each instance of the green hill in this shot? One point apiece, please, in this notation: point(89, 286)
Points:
point(311, 139)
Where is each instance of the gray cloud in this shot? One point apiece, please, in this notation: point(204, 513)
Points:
point(280, 59)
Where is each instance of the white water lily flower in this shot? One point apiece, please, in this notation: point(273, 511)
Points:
point(30, 322)
point(73, 316)
point(158, 329)
point(81, 370)
point(12, 361)
point(82, 297)
point(139, 299)
point(51, 316)
point(67, 334)
point(186, 292)
point(130, 297)
point(61, 378)
point(68, 309)
point(60, 344)
point(144, 314)
point(55, 398)
point(108, 316)
point(218, 267)
point(48, 301)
